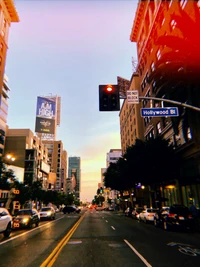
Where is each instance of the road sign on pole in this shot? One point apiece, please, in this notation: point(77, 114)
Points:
point(132, 97)
point(159, 112)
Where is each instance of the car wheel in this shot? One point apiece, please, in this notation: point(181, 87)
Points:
point(37, 224)
point(165, 225)
point(7, 231)
point(145, 220)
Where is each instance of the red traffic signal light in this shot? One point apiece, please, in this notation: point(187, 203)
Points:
point(109, 88)
point(109, 97)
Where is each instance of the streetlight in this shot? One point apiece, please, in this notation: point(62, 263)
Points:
point(10, 157)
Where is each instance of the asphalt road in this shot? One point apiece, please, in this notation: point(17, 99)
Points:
point(101, 239)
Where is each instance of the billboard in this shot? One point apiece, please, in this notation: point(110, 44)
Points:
point(73, 178)
point(45, 115)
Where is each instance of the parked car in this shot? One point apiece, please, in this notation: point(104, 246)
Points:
point(136, 212)
point(5, 222)
point(69, 209)
point(147, 215)
point(175, 216)
point(26, 218)
point(47, 213)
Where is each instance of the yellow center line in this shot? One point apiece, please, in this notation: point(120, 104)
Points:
point(54, 254)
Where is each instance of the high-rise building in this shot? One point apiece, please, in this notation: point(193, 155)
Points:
point(74, 173)
point(131, 127)
point(154, 19)
point(8, 14)
point(57, 159)
point(112, 156)
point(29, 153)
point(3, 112)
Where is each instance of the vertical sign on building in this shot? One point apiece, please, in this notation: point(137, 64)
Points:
point(45, 116)
point(73, 178)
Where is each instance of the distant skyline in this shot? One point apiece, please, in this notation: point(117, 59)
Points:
point(68, 48)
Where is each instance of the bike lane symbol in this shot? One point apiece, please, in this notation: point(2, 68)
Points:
point(186, 249)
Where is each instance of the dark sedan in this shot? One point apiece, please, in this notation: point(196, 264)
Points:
point(69, 209)
point(26, 218)
point(175, 216)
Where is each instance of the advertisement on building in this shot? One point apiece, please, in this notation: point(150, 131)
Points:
point(45, 115)
point(73, 178)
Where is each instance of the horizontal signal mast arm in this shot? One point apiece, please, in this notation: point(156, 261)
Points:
point(170, 101)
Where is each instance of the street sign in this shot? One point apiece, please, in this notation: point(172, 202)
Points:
point(132, 97)
point(159, 112)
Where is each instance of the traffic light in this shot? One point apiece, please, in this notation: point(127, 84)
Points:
point(109, 97)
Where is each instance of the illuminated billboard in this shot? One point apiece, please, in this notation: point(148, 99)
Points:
point(45, 115)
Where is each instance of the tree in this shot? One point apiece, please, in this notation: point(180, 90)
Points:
point(7, 176)
point(148, 162)
point(176, 73)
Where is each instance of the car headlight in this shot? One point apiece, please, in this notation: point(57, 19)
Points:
point(25, 220)
point(49, 213)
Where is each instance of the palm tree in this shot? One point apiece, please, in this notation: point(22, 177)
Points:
point(177, 72)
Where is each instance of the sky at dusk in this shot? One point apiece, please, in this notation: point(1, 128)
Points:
point(68, 48)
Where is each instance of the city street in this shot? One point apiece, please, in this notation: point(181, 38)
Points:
point(103, 238)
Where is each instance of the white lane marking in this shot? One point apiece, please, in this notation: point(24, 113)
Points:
point(74, 242)
point(25, 233)
point(106, 221)
point(138, 254)
point(113, 227)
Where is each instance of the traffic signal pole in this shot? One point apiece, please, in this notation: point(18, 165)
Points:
point(165, 100)
point(170, 101)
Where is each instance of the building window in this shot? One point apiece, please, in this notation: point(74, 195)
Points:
point(158, 126)
point(173, 24)
point(152, 66)
point(163, 22)
point(183, 3)
point(158, 54)
point(189, 134)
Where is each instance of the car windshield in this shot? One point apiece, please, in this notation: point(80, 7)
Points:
point(24, 212)
point(45, 209)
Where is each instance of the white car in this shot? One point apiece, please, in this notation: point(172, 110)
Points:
point(147, 215)
point(47, 213)
point(5, 222)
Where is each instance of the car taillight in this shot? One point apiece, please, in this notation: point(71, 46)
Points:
point(190, 217)
point(150, 215)
point(171, 215)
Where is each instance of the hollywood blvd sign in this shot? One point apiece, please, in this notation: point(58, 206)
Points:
point(159, 112)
